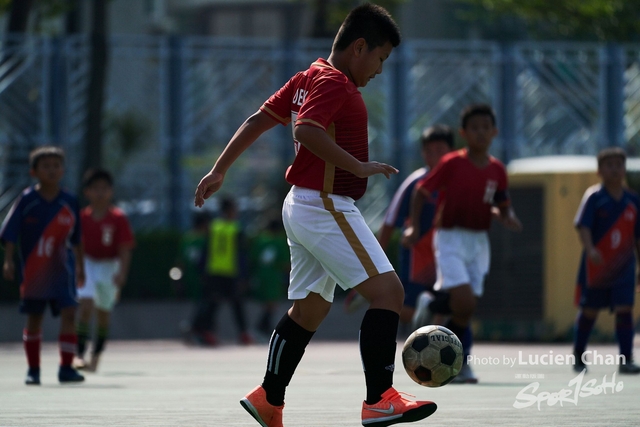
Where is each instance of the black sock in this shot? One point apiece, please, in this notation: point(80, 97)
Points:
point(82, 332)
point(378, 351)
point(461, 332)
point(440, 303)
point(286, 348)
point(101, 339)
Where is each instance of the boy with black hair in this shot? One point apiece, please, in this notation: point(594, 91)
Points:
point(108, 243)
point(44, 225)
point(328, 238)
point(416, 263)
point(470, 184)
point(608, 224)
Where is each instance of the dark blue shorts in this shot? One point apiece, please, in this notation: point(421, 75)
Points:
point(38, 306)
point(617, 295)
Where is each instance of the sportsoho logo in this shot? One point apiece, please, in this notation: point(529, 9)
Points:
point(576, 390)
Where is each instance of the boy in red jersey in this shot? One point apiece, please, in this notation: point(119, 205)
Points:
point(609, 228)
point(108, 242)
point(328, 238)
point(44, 224)
point(469, 182)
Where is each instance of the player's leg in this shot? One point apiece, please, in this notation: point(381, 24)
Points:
point(583, 326)
point(32, 337)
point(234, 293)
point(103, 320)
point(86, 295)
point(85, 312)
point(622, 299)
point(591, 301)
point(202, 323)
point(67, 340)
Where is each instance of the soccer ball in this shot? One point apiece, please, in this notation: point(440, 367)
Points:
point(432, 356)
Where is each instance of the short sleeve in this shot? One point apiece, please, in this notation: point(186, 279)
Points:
point(76, 235)
point(124, 234)
point(585, 215)
point(278, 106)
point(12, 223)
point(325, 98)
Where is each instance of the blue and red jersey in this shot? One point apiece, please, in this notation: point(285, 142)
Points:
point(615, 227)
point(44, 232)
point(417, 264)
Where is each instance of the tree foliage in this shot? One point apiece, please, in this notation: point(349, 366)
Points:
point(604, 20)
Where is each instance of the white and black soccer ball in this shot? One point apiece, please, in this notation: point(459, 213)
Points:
point(432, 356)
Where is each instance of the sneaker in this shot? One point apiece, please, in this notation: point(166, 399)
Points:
point(92, 366)
point(207, 339)
point(422, 316)
point(255, 403)
point(629, 368)
point(465, 376)
point(78, 363)
point(66, 374)
point(33, 376)
point(579, 365)
point(354, 301)
point(393, 409)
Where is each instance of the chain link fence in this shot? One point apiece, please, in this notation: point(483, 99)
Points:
point(172, 103)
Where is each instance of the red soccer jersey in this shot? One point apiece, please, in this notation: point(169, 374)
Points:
point(102, 238)
point(325, 98)
point(466, 192)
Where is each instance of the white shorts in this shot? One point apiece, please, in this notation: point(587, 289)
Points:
point(330, 243)
point(462, 257)
point(99, 285)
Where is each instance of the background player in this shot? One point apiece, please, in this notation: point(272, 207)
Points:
point(225, 276)
point(469, 183)
point(108, 242)
point(44, 223)
point(609, 228)
point(328, 238)
point(416, 263)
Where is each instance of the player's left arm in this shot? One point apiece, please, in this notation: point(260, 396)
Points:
point(501, 199)
point(124, 261)
point(125, 241)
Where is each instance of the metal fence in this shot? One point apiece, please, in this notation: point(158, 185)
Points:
point(173, 102)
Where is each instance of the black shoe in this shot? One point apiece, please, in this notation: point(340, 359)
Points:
point(629, 368)
point(33, 376)
point(66, 374)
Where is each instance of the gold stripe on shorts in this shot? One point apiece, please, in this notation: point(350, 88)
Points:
point(352, 238)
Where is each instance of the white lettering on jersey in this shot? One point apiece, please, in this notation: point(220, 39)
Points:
point(490, 191)
point(107, 235)
point(299, 96)
point(45, 246)
point(616, 238)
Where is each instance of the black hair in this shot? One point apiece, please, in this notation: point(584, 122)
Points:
point(371, 22)
point(476, 110)
point(43, 152)
point(438, 133)
point(610, 152)
point(93, 175)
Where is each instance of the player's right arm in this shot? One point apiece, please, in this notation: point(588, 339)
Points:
point(8, 267)
point(246, 134)
point(320, 143)
point(587, 243)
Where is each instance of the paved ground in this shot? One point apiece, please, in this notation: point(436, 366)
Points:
point(163, 383)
